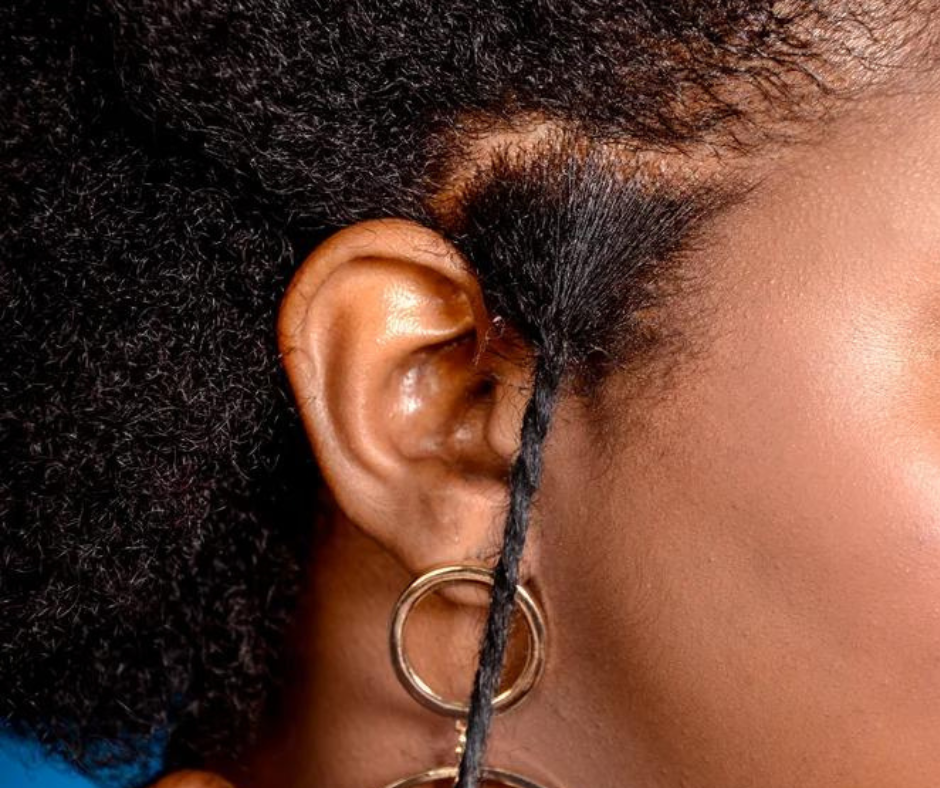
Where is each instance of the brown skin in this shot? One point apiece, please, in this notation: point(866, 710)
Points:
point(740, 568)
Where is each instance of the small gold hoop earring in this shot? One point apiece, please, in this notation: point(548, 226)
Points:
point(507, 699)
point(419, 690)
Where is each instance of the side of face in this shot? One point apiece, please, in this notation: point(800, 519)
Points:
point(745, 589)
point(739, 558)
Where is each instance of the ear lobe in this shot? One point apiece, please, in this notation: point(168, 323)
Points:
point(412, 416)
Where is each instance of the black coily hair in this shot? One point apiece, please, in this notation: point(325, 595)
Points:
point(167, 164)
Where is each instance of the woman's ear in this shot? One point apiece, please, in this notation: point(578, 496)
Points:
point(412, 408)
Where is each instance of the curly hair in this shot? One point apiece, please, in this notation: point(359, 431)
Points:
point(166, 166)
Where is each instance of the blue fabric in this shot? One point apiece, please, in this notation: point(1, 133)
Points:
point(23, 767)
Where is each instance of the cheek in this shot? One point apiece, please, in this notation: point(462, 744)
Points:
point(810, 475)
point(769, 581)
point(811, 465)
point(756, 563)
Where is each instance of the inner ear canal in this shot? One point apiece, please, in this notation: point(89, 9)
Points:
point(444, 400)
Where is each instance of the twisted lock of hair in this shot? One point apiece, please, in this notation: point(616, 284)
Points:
point(566, 245)
point(524, 479)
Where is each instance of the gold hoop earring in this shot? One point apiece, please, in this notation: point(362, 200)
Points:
point(418, 689)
